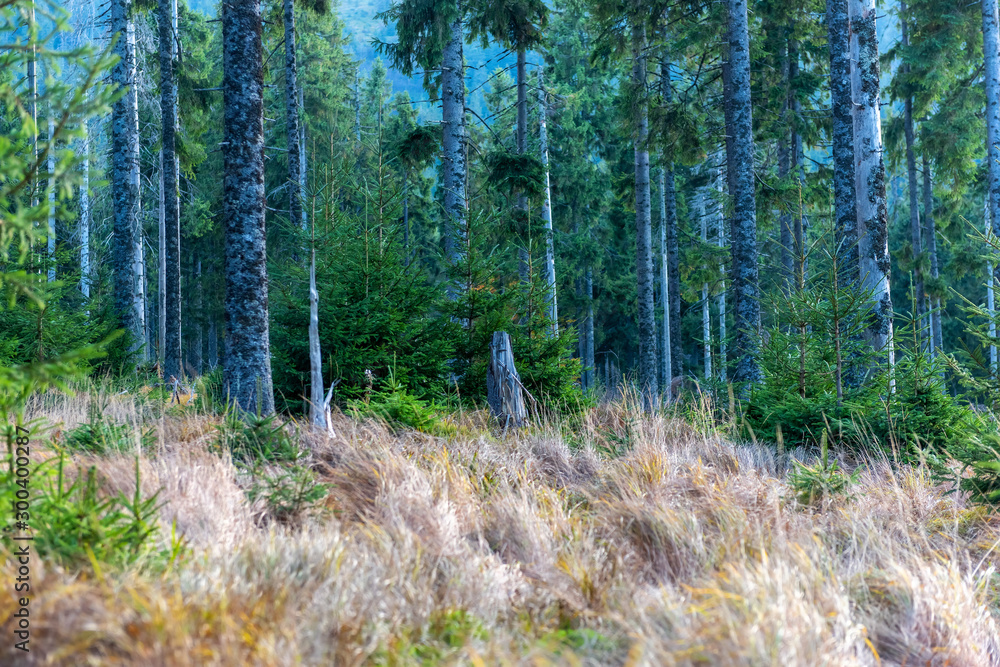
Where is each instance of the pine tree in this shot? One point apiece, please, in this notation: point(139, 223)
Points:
point(170, 201)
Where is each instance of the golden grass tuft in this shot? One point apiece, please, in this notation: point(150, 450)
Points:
point(647, 542)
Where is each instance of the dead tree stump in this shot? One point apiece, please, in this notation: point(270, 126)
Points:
point(504, 391)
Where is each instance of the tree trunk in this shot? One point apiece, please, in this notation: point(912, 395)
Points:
point(930, 234)
point(292, 114)
point(85, 215)
point(991, 51)
point(743, 244)
point(643, 232)
point(990, 288)
point(550, 256)
point(785, 218)
point(869, 177)
point(665, 361)
point(51, 166)
point(588, 329)
point(247, 364)
point(171, 263)
point(33, 110)
point(721, 237)
point(213, 345)
point(124, 190)
point(198, 318)
point(317, 415)
point(161, 274)
point(138, 247)
point(706, 316)
point(503, 385)
point(453, 158)
point(303, 176)
point(844, 203)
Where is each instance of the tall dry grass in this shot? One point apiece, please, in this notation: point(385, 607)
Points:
point(684, 549)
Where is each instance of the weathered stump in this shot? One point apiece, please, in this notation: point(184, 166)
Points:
point(504, 391)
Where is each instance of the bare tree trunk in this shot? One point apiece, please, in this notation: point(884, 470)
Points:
point(51, 166)
point(303, 176)
point(171, 263)
point(295, 203)
point(665, 361)
point(85, 215)
point(706, 315)
point(721, 237)
point(743, 239)
point(991, 51)
point(842, 146)
point(247, 365)
point(784, 168)
point(161, 274)
point(504, 390)
point(643, 232)
point(213, 345)
point(931, 236)
point(138, 247)
point(317, 415)
point(588, 329)
point(124, 190)
point(799, 229)
point(990, 289)
point(869, 176)
point(198, 318)
point(453, 165)
point(33, 106)
point(550, 255)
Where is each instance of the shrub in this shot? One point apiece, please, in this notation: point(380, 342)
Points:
point(99, 436)
point(395, 405)
point(821, 481)
point(74, 524)
point(253, 437)
point(290, 493)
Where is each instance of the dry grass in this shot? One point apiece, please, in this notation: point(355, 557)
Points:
point(682, 550)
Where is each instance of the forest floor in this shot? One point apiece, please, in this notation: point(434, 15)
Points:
point(620, 540)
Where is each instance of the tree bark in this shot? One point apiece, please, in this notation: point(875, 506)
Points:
point(842, 145)
point(292, 114)
point(453, 165)
point(550, 256)
point(643, 232)
point(869, 177)
point(317, 415)
point(743, 243)
point(665, 362)
point(991, 51)
point(504, 392)
point(930, 234)
point(85, 215)
point(51, 165)
point(706, 315)
point(171, 264)
point(247, 365)
point(721, 238)
point(124, 190)
point(588, 328)
point(197, 318)
point(161, 274)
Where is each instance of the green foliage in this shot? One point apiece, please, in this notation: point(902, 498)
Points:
point(396, 406)
point(75, 524)
point(98, 436)
point(290, 492)
point(252, 437)
point(821, 481)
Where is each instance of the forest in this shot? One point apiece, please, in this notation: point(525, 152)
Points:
point(419, 332)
